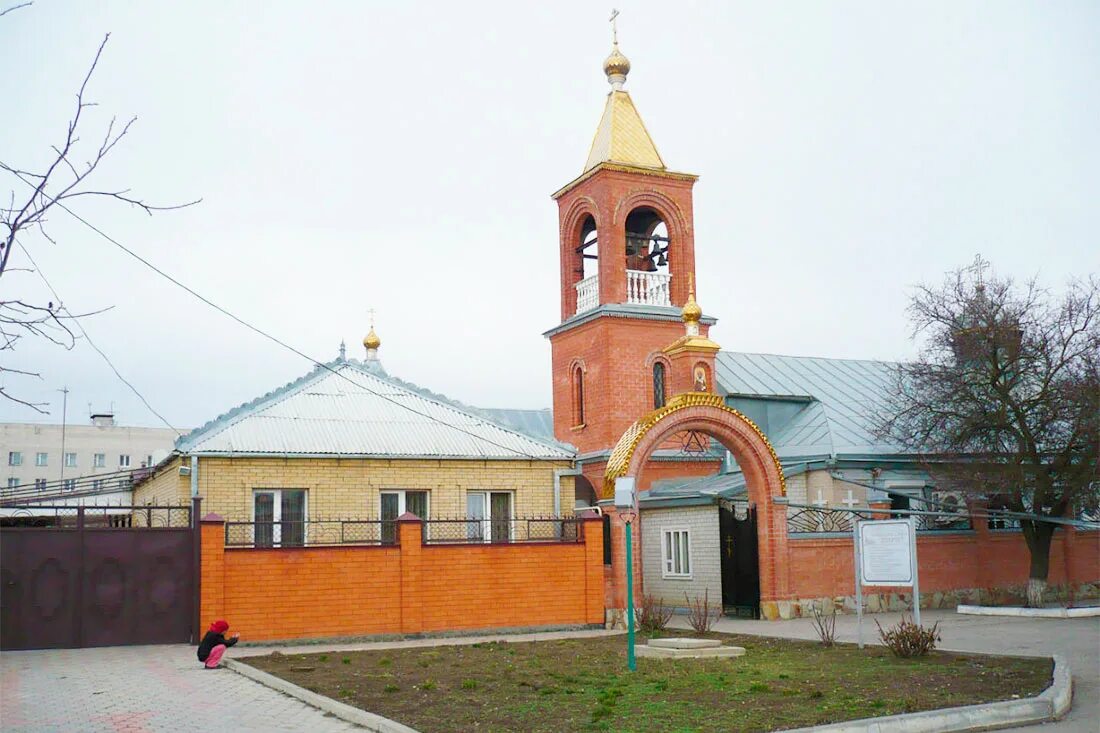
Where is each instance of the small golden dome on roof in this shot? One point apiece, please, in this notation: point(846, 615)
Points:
point(616, 65)
point(692, 311)
point(372, 341)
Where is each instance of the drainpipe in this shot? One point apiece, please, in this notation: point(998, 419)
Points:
point(558, 473)
point(194, 476)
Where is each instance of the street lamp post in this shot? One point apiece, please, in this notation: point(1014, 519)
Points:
point(626, 504)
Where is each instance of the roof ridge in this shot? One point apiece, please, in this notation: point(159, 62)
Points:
point(461, 407)
point(794, 356)
point(227, 418)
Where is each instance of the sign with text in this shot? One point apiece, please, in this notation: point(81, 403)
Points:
point(886, 552)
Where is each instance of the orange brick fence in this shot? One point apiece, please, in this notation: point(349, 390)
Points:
point(977, 566)
point(408, 588)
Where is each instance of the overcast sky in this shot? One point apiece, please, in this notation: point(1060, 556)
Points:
point(401, 156)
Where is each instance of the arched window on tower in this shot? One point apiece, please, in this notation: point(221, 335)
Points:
point(578, 396)
point(647, 247)
point(588, 285)
point(658, 385)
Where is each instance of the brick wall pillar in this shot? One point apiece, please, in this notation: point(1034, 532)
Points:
point(881, 505)
point(212, 585)
point(410, 540)
point(592, 527)
point(984, 555)
point(618, 559)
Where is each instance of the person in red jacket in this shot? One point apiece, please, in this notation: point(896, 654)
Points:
point(214, 643)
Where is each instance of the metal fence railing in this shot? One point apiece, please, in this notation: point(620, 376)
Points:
point(519, 529)
point(311, 532)
point(816, 520)
point(460, 530)
point(96, 516)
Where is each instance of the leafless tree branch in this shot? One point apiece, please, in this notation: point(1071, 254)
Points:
point(65, 178)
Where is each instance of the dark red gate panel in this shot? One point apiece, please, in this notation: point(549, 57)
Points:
point(63, 587)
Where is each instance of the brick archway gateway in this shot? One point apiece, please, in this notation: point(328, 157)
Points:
point(707, 413)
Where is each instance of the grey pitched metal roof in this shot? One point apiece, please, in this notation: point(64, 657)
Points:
point(844, 398)
point(536, 423)
point(355, 409)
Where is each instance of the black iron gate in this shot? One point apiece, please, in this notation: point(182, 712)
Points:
point(97, 576)
point(740, 562)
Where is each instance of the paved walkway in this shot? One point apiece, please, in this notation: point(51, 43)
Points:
point(1077, 639)
point(142, 688)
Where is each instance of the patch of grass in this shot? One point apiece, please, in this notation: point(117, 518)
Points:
point(581, 685)
point(322, 658)
point(346, 660)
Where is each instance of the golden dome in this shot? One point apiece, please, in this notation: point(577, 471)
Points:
point(616, 64)
point(372, 341)
point(692, 311)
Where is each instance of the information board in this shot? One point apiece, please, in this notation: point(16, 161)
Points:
point(886, 552)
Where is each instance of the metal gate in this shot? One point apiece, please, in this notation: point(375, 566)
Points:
point(740, 561)
point(97, 576)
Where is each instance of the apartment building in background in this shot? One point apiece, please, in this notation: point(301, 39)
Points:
point(98, 456)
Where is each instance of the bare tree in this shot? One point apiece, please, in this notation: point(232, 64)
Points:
point(34, 196)
point(1004, 399)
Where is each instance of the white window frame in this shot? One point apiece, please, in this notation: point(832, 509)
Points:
point(70, 460)
point(487, 522)
point(41, 459)
point(668, 569)
point(99, 460)
point(97, 484)
point(69, 484)
point(124, 461)
point(277, 515)
point(401, 500)
point(13, 482)
point(15, 458)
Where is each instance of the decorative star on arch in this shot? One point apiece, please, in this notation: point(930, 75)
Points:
point(694, 442)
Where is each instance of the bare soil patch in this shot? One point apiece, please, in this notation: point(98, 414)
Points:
point(583, 685)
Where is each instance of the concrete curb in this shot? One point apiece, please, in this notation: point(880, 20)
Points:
point(369, 721)
point(1083, 612)
point(1051, 704)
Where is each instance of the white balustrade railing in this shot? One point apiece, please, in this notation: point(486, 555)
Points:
point(588, 293)
point(642, 288)
point(647, 288)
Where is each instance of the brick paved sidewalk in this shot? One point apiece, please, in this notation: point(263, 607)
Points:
point(142, 688)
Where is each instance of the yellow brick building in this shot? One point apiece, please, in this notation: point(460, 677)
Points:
point(349, 441)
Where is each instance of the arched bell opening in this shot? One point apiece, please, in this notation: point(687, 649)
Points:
point(647, 263)
point(586, 253)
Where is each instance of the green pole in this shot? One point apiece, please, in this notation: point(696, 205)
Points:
point(631, 664)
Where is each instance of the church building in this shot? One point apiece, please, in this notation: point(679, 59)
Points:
point(633, 338)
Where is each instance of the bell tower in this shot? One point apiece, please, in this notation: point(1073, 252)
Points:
point(627, 249)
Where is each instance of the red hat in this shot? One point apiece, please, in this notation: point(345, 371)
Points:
point(220, 626)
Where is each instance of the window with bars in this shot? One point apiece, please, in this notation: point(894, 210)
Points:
point(40, 484)
point(676, 553)
point(658, 385)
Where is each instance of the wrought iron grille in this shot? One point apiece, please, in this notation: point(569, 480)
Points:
point(311, 533)
point(98, 516)
point(520, 529)
point(808, 521)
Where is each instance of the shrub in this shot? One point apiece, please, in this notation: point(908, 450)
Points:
point(652, 616)
point(701, 615)
point(824, 625)
point(908, 639)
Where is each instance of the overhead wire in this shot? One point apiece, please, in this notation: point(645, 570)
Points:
point(290, 348)
point(88, 338)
